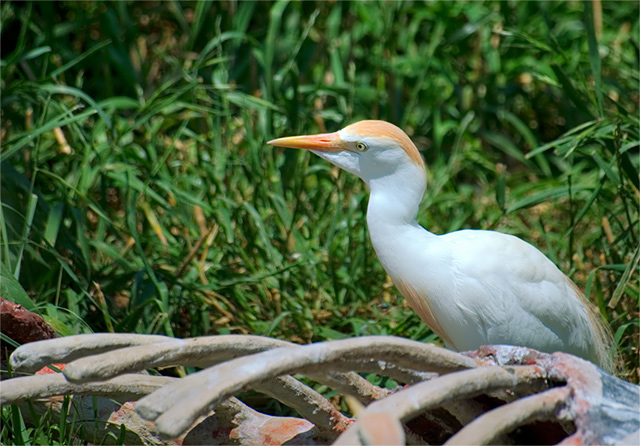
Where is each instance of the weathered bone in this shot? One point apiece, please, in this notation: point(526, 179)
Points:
point(35, 355)
point(204, 352)
point(602, 408)
point(122, 388)
point(203, 390)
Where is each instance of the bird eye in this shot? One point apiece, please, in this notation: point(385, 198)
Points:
point(361, 147)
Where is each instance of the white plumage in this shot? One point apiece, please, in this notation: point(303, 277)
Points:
point(471, 287)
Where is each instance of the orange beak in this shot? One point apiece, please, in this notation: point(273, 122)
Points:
point(324, 142)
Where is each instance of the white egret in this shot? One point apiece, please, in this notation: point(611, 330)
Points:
point(471, 287)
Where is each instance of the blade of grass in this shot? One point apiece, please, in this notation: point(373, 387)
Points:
point(161, 288)
point(28, 221)
point(200, 15)
point(275, 17)
point(19, 429)
point(587, 206)
point(25, 18)
point(217, 41)
point(272, 326)
point(501, 185)
point(11, 289)
point(584, 128)
point(6, 257)
point(54, 219)
point(581, 107)
point(427, 57)
point(36, 52)
point(626, 276)
point(58, 121)
point(274, 256)
point(541, 197)
point(71, 91)
point(594, 54)
point(178, 14)
point(506, 146)
point(526, 133)
point(64, 414)
point(8, 340)
point(79, 59)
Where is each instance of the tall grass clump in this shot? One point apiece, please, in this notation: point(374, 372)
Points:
point(138, 194)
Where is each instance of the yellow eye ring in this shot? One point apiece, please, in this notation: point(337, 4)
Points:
point(360, 146)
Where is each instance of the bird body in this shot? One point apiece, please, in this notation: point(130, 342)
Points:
point(471, 287)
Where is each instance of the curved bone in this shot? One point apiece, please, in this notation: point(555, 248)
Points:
point(35, 355)
point(487, 428)
point(197, 352)
point(201, 391)
point(306, 401)
point(350, 383)
point(206, 351)
point(602, 408)
point(122, 388)
point(424, 396)
point(200, 352)
point(333, 355)
point(110, 354)
point(159, 351)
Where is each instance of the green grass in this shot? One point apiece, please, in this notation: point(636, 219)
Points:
point(163, 210)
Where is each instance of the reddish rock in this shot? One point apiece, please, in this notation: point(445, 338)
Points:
point(22, 325)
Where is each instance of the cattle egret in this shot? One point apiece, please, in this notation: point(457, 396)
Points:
point(471, 287)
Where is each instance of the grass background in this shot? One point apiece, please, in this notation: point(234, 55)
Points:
point(138, 194)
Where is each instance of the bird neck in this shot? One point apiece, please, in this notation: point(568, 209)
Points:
point(391, 218)
point(395, 198)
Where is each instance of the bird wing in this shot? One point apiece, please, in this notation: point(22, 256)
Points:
point(516, 293)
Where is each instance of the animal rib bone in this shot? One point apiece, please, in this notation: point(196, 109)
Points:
point(443, 386)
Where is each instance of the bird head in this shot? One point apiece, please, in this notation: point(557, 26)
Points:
point(369, 149)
